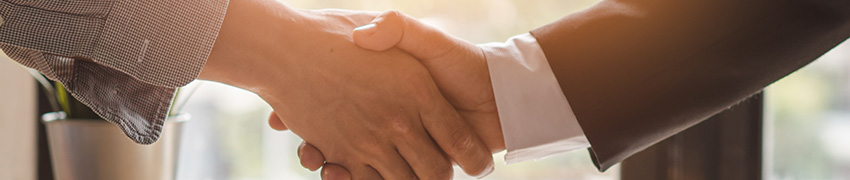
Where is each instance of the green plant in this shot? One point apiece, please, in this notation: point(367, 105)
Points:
point(61, 100)
point(73, 108)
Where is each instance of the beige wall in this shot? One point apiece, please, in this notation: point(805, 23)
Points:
point(17, 122)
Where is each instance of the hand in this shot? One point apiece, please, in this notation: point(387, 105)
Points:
point(374, 113)
point(458, 67)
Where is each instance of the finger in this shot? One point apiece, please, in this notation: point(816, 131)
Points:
point(335, 172)
point(311, 157)
point(359, 172)
point(457, 139)
point(391, 165)
point(424, 156)
point(276, 123)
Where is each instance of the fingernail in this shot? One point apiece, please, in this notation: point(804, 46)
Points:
point(369, 29)
point(486, 172)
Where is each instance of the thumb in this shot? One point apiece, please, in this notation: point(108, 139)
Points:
point(458, 67)
point(393, 28)
point(375, 38)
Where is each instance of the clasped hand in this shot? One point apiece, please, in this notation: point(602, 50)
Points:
point(373, 112)
point(458, 67)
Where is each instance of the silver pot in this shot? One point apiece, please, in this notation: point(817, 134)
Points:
point(96, 149)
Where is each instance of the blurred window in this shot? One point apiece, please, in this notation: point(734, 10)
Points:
point(808, 121)
point(807, 126)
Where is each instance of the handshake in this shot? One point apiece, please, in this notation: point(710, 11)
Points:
point(374, 96)
point(384, 96)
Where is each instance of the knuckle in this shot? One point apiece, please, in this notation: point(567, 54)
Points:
point(370, 145)
point(399, 125)
point(461, 142)
point(403, 130)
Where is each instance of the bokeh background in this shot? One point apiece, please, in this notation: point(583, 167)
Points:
point(807, 129)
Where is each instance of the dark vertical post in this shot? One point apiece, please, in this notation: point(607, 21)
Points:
point(727, 146)
point(45, 169)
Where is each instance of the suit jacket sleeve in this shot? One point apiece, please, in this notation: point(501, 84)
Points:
point(123, 58)
point(637, 72)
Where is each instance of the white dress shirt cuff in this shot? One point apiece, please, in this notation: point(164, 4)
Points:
point(536, 118)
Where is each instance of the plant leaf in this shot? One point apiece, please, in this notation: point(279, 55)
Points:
point(62, 96)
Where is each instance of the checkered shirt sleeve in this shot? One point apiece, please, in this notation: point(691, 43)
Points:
point(122, 58)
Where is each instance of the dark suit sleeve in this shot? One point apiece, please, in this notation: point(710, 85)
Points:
point(637, 72)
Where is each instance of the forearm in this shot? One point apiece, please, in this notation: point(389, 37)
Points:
point(663, 66)
point(249, 43)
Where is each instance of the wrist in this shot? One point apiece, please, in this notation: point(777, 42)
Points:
point(249, 44)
